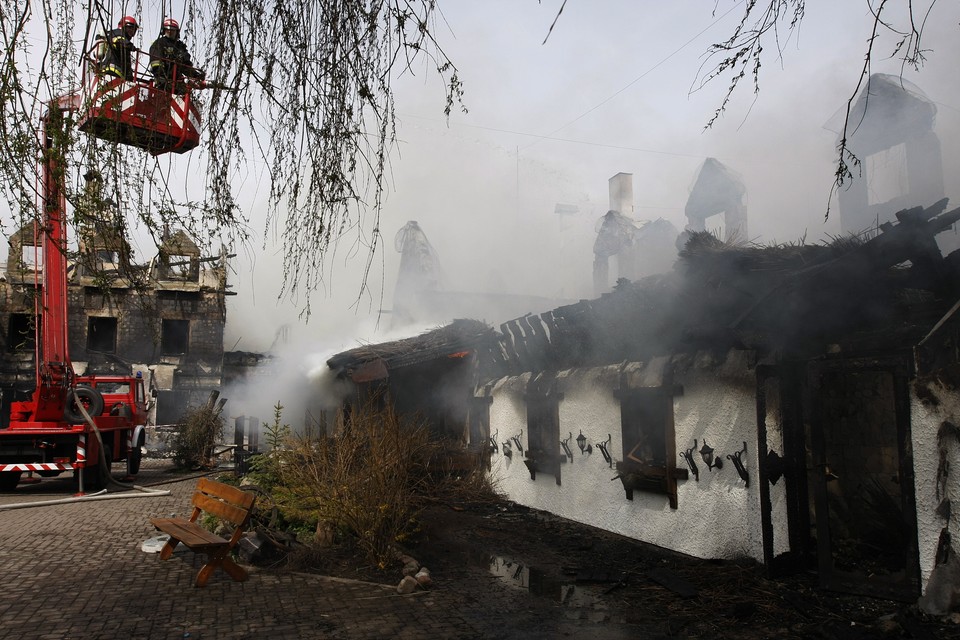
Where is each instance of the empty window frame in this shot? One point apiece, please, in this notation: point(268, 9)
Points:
point(183, 267)
point(31, 257)
point(106, 261)
point(644, 418)
point(174, 337)
point(21, 333)
point(543, 435)
point(102, 334)
point(649, 447)
point(478, 422)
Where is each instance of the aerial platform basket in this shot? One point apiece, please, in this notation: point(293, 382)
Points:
point(137, 113)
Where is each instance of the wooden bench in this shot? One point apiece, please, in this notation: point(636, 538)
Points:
point(218, 499)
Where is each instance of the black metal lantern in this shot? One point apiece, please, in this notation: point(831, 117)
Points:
point(706, 452)
point(582, 443)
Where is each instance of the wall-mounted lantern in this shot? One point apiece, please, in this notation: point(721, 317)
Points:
point(706, 452)
point(582, 444)
point(493, 442)
point(603, 449)
point(507, 449)
point(735, 457)
point(687, 456)
point(566, 447)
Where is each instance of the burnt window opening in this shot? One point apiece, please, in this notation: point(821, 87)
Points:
point(543, 435)
point(649, 447)
point(174, 337)
point(102, 335)
point(31, 257)
point(481, 441)
point(21, 333)
point(181, 267)
point(478, 422)
point(106, 261)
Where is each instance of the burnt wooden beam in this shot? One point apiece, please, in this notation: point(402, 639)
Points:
point(536, 341)
point(913, 236)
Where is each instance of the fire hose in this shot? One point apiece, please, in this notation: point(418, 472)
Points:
point(138, 491)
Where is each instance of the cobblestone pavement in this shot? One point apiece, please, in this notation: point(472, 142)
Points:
point(77, 570)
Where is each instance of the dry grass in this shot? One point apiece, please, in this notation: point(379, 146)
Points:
point(193, 444)
point(371, 480)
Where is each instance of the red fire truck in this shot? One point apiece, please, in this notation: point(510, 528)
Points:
point(73, 422)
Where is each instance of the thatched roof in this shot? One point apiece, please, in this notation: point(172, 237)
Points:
point(797, 300)
point(794, 300)
point(454, 339)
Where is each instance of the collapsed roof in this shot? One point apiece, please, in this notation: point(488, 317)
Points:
point(376, 361)
point(795, 301)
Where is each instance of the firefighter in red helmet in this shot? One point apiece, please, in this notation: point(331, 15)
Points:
point(170, 61)
point(114, 49)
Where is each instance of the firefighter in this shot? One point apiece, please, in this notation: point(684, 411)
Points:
point(114, 49)
point(170, 61)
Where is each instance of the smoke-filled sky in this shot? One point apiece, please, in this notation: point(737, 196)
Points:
point(613, 89)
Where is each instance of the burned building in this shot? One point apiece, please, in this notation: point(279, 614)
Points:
point(890, 129)
point(717, 191)
point(164, 320)
point(421, 295)
point(794, 404)
point(419, 274)
point(432, 375)
point(636, 248)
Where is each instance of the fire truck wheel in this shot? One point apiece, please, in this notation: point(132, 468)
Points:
point(133, 460)
point(91, 399)
point(9, 480)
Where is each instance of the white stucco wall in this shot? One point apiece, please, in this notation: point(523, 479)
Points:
point(926, 419)
point(778, 491)
point(717, 517)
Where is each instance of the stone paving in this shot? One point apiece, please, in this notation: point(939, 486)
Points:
point(77, 571)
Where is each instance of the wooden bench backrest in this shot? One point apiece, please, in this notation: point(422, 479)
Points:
point(221, 500)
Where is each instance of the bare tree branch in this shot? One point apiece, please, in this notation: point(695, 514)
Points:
point(741, 54)
point(313, 102)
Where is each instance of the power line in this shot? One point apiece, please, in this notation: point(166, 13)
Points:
point(638, 78)
point(568, 140)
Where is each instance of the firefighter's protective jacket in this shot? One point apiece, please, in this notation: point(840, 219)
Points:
point(170, 62)
point(113, 54)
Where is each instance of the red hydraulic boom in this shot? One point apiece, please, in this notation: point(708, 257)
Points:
point(49, 434)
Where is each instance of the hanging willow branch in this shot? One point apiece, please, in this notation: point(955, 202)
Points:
point(765, 21)
point(311, 100)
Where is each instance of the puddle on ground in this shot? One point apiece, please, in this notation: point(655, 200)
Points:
point(523, 577)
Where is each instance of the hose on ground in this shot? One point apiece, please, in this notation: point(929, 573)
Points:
point(104, 467)
point(105, 464)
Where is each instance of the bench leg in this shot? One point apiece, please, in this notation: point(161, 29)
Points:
point(224, 561)
point(234, 570)
point(168, 548)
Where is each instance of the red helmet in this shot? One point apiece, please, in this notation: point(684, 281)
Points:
point(170, 23)
point(128, 21)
